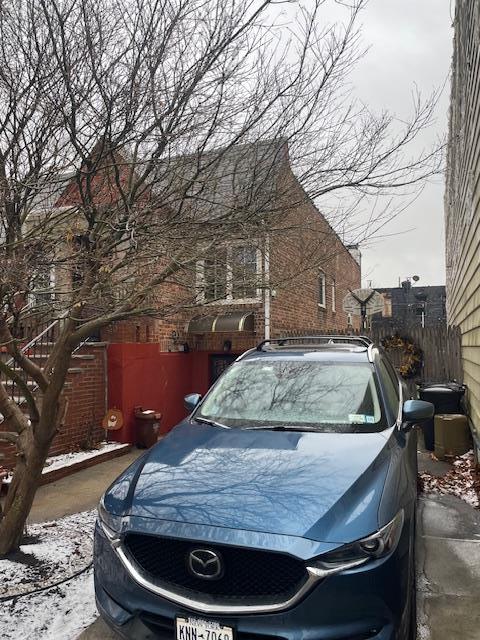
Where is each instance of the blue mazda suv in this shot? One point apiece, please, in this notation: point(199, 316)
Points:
point(282, 507)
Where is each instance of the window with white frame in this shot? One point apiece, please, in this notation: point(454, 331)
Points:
point(322, 289)
point(42, 284)
point(231, 275)
point(334, 294)
point(214, 285)
point(244, 266)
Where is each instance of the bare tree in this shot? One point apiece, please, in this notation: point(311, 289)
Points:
point(136, 136)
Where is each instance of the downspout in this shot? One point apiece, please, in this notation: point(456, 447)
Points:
point(266, 304)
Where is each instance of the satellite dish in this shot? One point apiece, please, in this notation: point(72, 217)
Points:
point(415, 278)
point(363, 302)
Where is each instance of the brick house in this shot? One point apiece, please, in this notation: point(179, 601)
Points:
point(188, 351)
point(289, 282)
point(411, 306)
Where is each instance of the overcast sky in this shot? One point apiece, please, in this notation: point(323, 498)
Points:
point(410, 44)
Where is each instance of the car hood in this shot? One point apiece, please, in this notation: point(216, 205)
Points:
point(322, 486)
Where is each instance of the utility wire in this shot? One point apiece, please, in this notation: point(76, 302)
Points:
point(47, 587)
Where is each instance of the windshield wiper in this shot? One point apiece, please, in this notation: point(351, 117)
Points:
point(281, 427)
point(212, 423)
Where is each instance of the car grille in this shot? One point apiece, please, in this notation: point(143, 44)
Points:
point(250, 575)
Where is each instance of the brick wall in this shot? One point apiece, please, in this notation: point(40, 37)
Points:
point(302, 244)
point(86, 402)
point(147, 330)
point(85, 392)
point(308, 246)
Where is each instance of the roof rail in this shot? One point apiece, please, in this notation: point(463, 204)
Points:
point(363, 341)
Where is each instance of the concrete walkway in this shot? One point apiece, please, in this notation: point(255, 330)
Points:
point(448, 565)
point(80, 491)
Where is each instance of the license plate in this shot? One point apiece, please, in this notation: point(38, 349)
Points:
point(198, 629)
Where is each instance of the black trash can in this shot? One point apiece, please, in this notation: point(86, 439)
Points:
point(446, 398)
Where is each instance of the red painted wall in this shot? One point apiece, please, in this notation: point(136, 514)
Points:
point(141, 375)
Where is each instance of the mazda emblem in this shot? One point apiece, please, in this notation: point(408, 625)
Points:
point(205, 564)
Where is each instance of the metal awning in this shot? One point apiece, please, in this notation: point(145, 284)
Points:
point(223, 322)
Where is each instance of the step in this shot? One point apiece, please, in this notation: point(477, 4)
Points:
point(86, 344)
point(70, 370)
point(21, 400)
point(75, 356)
point(43, 356)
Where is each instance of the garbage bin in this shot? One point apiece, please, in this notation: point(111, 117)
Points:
point(147, 427)
point(452, 435)
point(447, 399)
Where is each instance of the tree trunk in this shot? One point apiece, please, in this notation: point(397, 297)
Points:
point(21, 494)
point(33, 447)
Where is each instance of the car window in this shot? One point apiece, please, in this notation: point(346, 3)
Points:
point(393, 375)
point(390, 385)
point(331, 395)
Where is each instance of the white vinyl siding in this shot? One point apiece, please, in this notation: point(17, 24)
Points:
point(462, 199)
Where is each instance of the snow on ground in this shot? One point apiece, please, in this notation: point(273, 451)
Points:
point(67, 459)
point(50, 551)
point(462, 481)
point(60, 613)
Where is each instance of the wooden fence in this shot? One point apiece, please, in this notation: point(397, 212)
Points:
point(440, 345)
point(441, 348)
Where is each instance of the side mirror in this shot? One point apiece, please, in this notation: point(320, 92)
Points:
point(191, 401)
point(415, 411)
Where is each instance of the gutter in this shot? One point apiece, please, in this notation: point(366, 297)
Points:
point(267, 294)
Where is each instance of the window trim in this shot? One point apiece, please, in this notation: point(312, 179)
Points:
point(49, 293)
point(322, 286)
point(229, 299)
point(334, 296)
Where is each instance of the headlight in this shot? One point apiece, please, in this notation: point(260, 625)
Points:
point(352, 555)
point(110, 523)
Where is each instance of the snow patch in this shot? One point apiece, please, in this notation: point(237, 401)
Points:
point(69, 459)
point(60, 613)
point(53, 551)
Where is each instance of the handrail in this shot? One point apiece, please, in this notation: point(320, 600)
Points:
point(37, 338)
point(26, 307)
point(38, 343)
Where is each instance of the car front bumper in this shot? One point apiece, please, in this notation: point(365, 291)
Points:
point(366, 603)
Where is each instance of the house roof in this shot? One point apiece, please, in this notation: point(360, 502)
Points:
point(224, 179)
point(50, 190)
point(214, 182)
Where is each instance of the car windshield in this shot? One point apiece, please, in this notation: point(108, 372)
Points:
point(328, 396)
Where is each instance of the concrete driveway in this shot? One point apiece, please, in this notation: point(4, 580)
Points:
point(80, 491)
point(448, 566)
point(448, 572)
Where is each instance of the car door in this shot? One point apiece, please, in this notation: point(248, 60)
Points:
point(404, 445)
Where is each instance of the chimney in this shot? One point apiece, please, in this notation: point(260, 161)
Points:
point(355, 253)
